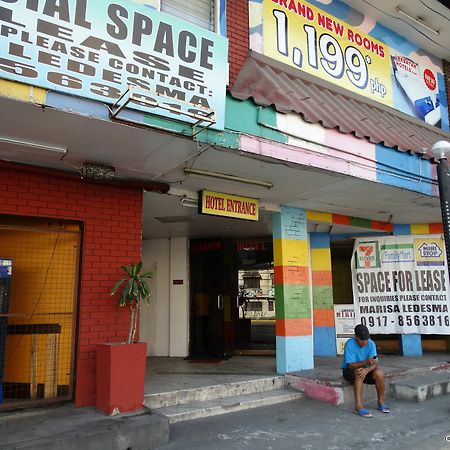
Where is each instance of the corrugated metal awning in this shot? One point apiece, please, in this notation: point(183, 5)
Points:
point(269, 82)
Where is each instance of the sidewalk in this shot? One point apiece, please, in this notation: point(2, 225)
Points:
point(67, 427)
point(171, 374)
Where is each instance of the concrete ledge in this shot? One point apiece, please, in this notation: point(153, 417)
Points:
point(421, 387)
point(432, 381)
point(205, 393)
point(68, 428)
point(316, 390)
point(226, 405)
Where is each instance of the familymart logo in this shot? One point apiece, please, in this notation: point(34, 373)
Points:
point(397, 253)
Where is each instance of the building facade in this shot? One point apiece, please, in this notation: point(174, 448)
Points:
point(313, 121)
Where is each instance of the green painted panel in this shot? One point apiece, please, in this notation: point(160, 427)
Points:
point(227, 139)
point(322, 297)
point(245, 117)
point(292, 301)
point(168, 125)
point(358, 222)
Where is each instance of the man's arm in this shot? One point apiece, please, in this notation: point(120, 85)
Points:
point(362, 371)
point(370, 362)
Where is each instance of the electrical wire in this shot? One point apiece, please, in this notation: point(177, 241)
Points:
point(194, 159)
point(405, 21)
point(437, 12)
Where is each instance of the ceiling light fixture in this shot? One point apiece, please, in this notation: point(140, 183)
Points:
point(33, 145)
point(189, 202)
point(417, 21)
point(97, 172)
point(224, 176)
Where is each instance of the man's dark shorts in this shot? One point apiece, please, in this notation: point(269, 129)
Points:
point(349, 375)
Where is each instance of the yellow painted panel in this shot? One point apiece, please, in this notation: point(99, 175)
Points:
point(43, 289)
point(420, 228)
point(319, 216)
point(320, 259)
point(290, 252)
point(22, 92)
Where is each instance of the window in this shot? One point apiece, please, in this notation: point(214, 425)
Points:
point(198, 12)
point(251, 283)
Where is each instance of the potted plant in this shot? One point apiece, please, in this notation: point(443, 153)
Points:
point(134, 292)
point(121, 366)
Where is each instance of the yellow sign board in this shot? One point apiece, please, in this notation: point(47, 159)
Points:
point(226, 205)
point(307, 38)
point(429, 251)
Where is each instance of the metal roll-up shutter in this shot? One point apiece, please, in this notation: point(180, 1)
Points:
point(198, 12)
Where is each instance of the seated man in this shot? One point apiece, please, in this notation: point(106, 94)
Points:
point(360, 366)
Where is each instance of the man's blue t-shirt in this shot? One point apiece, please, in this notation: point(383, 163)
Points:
point(353, 352)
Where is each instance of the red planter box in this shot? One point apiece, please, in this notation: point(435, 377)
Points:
point(120, 377)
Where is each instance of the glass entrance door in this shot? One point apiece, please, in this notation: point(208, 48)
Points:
point(255, 318)
point(207, 298)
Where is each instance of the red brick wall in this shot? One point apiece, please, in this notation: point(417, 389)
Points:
point(237, 33)
point(112, 223)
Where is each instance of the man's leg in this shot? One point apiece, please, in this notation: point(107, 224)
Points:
point(358, 387)
point(378, 376)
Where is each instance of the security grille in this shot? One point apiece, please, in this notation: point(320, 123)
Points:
point(198, 12)
point(37, 313)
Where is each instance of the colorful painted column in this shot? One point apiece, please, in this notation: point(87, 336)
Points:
point(410, 344)
point(322, 291)
point(294, 344)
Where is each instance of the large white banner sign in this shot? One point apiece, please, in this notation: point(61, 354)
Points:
point(97, 49)
point(401, 285)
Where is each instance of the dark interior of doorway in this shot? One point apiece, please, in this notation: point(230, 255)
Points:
point(232, 305)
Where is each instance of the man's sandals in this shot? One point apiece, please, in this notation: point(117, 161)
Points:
point(383, 408)
point(363, 412)
point(367, 414)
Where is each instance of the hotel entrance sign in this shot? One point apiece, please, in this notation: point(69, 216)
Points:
point(226, 205)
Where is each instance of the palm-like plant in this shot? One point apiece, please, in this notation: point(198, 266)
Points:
point(134, 292)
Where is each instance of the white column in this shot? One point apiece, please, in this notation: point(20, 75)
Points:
point(154, 323)
point(179, 297)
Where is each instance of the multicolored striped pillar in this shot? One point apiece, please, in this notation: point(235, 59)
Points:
point(292, 299)
point(322, 291)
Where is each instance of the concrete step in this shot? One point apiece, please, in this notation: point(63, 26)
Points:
point(199, 409)
point(205, 393)
point(421, 387)
point(337, 391)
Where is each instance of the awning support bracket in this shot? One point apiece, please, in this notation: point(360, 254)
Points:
point(145, 98)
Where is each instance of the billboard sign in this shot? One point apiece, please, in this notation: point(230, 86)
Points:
point(96, 50)
point(317, 42)
point(401, 284)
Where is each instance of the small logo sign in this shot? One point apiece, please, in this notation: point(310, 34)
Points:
point(367, 255)
point(397, 253)
point(429, 79)
point(429, 251)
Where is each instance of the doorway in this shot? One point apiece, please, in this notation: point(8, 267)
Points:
point(255, 321)
point(213, 286)
point(232, 297)
point(38, 295)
